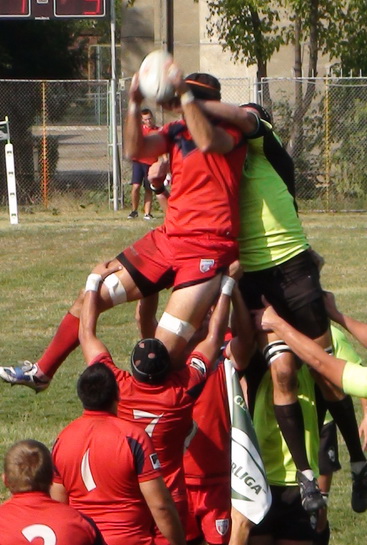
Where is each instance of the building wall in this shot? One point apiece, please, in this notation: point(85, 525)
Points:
point(144, 29)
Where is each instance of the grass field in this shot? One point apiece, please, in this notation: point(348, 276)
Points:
point(45, 261)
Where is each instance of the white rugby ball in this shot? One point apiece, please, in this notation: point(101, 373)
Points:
point(153, 76)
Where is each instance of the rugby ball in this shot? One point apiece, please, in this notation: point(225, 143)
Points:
point(153, 76)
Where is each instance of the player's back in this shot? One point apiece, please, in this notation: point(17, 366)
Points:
point(28, 516)
point(164, 412)
point(100, 460)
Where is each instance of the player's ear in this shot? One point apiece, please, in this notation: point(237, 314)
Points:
point(3, 477)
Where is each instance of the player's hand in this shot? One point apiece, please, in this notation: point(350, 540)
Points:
point(175, 75)
point(265, 318)
point(235, 270)
point(157, 173)
point(134, 91)
point(107, 268)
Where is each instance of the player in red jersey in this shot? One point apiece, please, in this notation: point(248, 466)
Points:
point(30, 515)
point(208, 477)
point(139, 176)
point(196, 242)
point(154, 397)
point(107, 469)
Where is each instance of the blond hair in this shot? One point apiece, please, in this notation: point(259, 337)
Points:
point(28, 467)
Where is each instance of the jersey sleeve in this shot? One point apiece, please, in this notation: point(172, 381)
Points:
point(198, 367)
point(106, 358)
point(147, 466)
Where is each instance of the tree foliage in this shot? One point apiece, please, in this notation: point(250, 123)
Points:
point(253, 30)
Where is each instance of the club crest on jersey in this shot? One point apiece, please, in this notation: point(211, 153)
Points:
point(206, 265)
point(222, 526)
point(155, 462)
point(199, 365)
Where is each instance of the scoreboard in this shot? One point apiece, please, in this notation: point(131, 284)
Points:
point(54, 9)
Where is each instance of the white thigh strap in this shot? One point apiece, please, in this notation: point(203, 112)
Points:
point(115, 289)
point(176, 326)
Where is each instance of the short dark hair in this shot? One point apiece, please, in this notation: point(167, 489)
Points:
point(146, 111)
point(150, 361)
point(97, 388)
point(204, 86)
point(28, 467)
point(263, 113)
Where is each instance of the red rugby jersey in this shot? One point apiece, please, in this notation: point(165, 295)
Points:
point(205, 186)
point(164, 412)
point(100, 460)
point(31, 515)
point(148, 160)
point(208, 457)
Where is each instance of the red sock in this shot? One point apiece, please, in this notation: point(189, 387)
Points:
point(66, 339)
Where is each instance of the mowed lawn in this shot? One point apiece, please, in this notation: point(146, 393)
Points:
point(44, 263)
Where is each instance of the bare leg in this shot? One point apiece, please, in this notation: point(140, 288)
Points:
point(190, 305)
point(135, 195)
point(148, 198)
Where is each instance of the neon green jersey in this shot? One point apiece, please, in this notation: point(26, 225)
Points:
point(271, 232)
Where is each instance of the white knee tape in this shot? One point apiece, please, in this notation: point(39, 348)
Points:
point(115, 289)
point(274, 350)
point(176, 326)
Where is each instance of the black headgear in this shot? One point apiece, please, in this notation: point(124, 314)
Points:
point(150, 361)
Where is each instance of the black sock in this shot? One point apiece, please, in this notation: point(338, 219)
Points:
point(322, 538)
point(290, 421)
point(343, 413)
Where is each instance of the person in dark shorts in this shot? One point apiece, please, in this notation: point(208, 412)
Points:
point(139, 176)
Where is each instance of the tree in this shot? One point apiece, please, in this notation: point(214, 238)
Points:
point(253, 30)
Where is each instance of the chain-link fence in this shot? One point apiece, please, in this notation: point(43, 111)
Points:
point(323, 123)
point(62, 137)
point(60, 131)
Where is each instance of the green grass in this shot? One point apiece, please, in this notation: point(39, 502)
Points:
point(44, 262)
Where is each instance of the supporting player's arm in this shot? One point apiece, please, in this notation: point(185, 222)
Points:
point(163, 510)
point(207, 137)
point(350, 377)
point(247, 121)
point(218, 323)
point(240, 349)
point(90, 343)
point(355, 327)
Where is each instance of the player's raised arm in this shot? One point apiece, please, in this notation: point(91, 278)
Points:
point(245, 120)
point(218, 323)
point(355, 327)
point(135, 144)
point(241, 347)
point(208, 137)
point(350, 377)
point(91, 345)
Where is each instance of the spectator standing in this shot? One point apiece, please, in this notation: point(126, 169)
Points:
point(140, 167)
